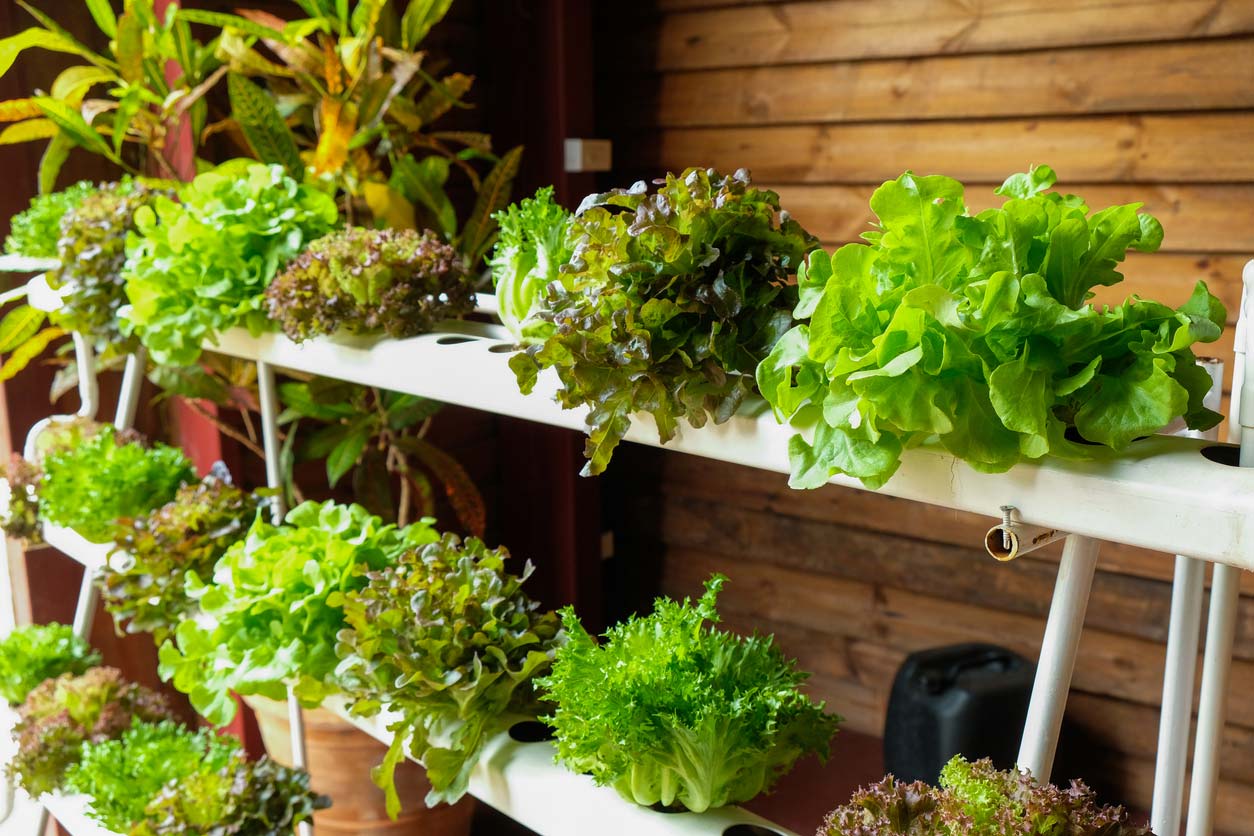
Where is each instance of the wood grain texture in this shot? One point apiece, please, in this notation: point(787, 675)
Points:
point(754, 491)
point(1130, 101)
point(1120, 603)
point(1210, 147)
point(843, 30)
point(1208, 218)
point(1185, 76)
point(1107, 663)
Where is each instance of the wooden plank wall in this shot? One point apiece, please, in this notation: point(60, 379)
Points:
point(1149, 100)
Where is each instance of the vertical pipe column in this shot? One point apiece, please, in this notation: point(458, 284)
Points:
point(88, 390)
point(1180, 668)
point(1058, 651)
point(269, 398)
point(132, 382)
point(1224, 594)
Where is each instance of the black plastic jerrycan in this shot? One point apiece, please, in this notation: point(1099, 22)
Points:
point(968, 699)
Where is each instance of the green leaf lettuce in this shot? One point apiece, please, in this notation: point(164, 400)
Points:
point(977, 331)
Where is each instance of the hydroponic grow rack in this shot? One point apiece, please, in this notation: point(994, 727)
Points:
point(1172, 494)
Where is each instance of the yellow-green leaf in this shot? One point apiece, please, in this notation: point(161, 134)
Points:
point(28, 351)
point(13, 46)
point(72, 123)
point(221, 20)
point(130, 48)
point(28, 130)
point(18, 326)
point(442, 97)
point(71, 43)
point(337, 124)
point(50, 163)
point(263, 127)
point(15, 110)
point(493, 195)
point(389, 206)
point(74, 82)
point(103, 14)
point(419, 17)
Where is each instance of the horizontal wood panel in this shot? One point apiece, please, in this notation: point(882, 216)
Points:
point(1119, 603)
point(1196, 218)
point(855, 678)
point(1192, 75)
point(749, 490)
point(839, 30)
point(1212, 147)
point(1107, 664)
point(1170, 278)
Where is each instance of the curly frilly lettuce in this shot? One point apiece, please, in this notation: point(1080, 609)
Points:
point(668, 710)
point(531, 248)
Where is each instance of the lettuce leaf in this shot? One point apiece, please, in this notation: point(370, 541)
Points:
point(531, 248)
point(31, 654)
point(199, 266)
point(976, 799)
point(272, 610)
point(977, 331)
point(668, 301)
point(448, 639)
point(671, 711)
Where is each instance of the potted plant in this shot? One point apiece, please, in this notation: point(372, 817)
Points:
point(361, 282)
point(29, 655)
point(976, 799)
point(142, 584)
point(664, 302)
point(447, 640)
point(672, 712)
point(163, 779)
point(269, 619)
point(84, 229)
point(60, 714)
point(106, 477)
point(976, 330)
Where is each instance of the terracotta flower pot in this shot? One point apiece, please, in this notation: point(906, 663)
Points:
point(340, 760)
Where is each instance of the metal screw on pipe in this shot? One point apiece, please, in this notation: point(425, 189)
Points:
point(1010, 539)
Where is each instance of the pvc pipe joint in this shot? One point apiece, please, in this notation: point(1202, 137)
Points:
point(1009, 540)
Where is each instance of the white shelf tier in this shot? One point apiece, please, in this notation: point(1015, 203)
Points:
point(93, 556)
point(26, 264)
point(1163, 494)
point(523, 782)
point(69, 810)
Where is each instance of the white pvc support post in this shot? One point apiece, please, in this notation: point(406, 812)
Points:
point(88, 389)
point(1225, 592)
point(132, 382)
point(1180, 668)
point(269, 397)
point(1058, 651)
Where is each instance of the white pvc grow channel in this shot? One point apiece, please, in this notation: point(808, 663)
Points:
point(521, 779)
point(1175, 495)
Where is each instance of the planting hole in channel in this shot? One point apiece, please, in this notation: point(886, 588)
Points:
point(453, 339)
point(750, 830)
point(503, 348)
point(1225, 454)
point(530, 731)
